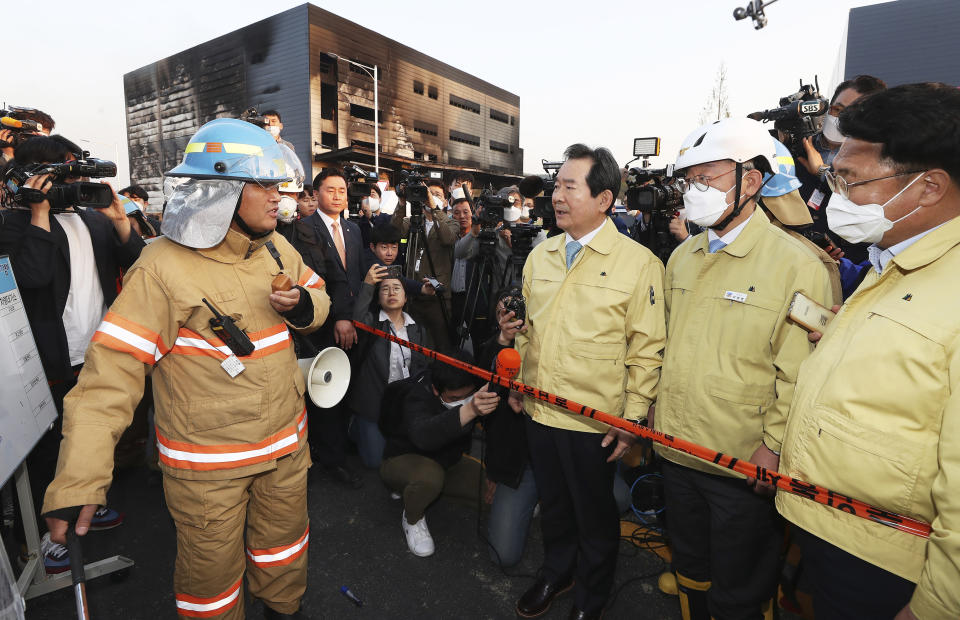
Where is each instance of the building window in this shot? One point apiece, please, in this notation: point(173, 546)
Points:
point(465, 104)
point(432, 92)
point(465, 138)
point(328, 101)
point(431, 157)
point(497, 115)
point(418, 87)
point(362, 111)
point(426, 128)
point(363, 144)
point(366, 72)
point(513, 120)
point(499, 147)
point(323, 64)
point(328, 140)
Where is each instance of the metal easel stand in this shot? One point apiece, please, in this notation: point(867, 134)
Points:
point(34, 581)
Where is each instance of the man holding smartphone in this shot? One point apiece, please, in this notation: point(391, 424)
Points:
point(729, 369)
point(876, 414)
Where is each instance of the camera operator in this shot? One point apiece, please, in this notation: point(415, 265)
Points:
point(440, 233)
point(10, 138)
point(876, 414)
point(820, 150)
point(477, 295)
point(510, 479)
point(230, 417)
point(371, 215)
point(729, 369)
point(67, 262)
point(274, 126)
point(425, 448)
point(594, 299)
point(437, 194)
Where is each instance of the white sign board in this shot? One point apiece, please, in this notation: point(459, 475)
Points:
point(26, 406)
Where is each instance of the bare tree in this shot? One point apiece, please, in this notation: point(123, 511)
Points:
point(718, 104)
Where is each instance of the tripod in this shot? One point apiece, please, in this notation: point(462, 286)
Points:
point(482, 281)
point(417, 245)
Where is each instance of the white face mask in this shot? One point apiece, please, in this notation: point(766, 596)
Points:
point(274, 130)
point(286, 209)
point(511, 214)
point(374, 205)
point(862, 223)
point(831, 129)
point(382, 185)
point(437, 202)
point(457, 403)
point(705, 208)
point(525, 212)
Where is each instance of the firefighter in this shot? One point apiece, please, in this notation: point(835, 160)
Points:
point(231, 424)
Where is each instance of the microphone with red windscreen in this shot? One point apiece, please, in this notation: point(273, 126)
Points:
point(507, 365)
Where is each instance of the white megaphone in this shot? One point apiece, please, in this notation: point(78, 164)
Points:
point(327, 376)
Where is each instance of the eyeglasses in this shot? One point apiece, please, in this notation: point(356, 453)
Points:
point(701, 181)
point(838, 185)
point(391, 289)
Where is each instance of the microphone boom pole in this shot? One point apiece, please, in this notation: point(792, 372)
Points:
point(786, 483)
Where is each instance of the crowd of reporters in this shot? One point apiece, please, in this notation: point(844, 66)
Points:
point(446, 273)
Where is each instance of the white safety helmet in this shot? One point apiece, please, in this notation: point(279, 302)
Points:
point(738, 139)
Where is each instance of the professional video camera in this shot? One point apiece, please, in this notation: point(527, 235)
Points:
point(61, 195)
point(657, 194)
point(489, 208)
point(359, 184)
point(799, 116)
point(21, 128)
point(651, 190)
point(252, 116)
point(413, 189)
point(534, 185)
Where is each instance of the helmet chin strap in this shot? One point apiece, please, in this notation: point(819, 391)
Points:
point(243, 225)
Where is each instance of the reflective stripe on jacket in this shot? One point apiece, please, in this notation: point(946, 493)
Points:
point(596, 332)
point(209, 425)
point(732, 354)
point(876, 416)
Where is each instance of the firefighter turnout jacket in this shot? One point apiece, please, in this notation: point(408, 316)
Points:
point(210, 425)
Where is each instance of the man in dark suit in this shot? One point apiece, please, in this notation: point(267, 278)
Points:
point(342, 245)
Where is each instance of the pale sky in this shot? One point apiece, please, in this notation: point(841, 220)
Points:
point(600, 72)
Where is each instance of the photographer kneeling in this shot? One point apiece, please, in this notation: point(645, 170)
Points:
point(426, 441)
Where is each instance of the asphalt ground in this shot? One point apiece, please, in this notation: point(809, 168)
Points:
point(355, 540)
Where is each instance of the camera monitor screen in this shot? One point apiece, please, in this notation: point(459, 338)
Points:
point(646, 147)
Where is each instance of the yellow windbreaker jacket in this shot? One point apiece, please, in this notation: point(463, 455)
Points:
point(732, 354)
point(209, 425)
point(876, 416)
point(596, 333)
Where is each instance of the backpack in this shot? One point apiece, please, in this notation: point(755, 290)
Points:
point(391, 405)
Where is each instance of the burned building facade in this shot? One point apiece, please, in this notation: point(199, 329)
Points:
point(430, 113)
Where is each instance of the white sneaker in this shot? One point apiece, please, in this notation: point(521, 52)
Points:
point(418, 536)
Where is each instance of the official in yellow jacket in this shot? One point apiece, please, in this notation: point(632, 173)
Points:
point(231, 422)
point(595, 333)
point(876, 413)
point(729, 369)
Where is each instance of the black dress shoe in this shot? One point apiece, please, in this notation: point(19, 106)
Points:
point(579, 614)
point(346, 476)
point(536, 601)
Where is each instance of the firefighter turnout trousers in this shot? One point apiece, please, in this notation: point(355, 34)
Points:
point(257, 523)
